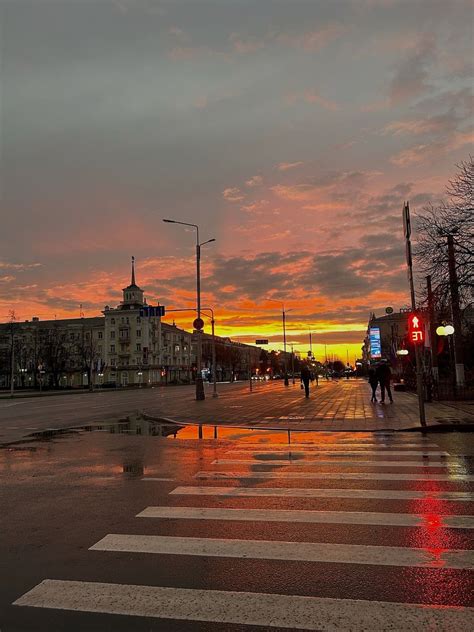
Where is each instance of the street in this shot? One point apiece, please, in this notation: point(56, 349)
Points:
point(336, 405)
point(118, 530)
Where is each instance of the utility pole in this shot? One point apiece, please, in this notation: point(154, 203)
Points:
point(12, 354)
point(418, 359)
point(456, 313)
point(250, 372)
point(284, 346)
point(434, 350)
point(12, 366)
point(293, 364)
point(199, 383)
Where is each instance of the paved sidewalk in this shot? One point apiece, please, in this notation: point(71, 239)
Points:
point(335, 405)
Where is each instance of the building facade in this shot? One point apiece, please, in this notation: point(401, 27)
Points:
point(128, 346)
point(393, 330)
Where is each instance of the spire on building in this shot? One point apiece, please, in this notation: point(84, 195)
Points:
point(132, 294)
point(133, 271)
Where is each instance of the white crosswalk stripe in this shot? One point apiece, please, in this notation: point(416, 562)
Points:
point(246, 608)
point(354, 463)
point(369, 476)
point(305, 515)
point(340, 445)
point(278, 550)
point(343, 452)
point(419, 503)
point(323, 492)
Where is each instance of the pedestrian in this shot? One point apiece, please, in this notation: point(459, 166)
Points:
point(385, 377)
point(374, 382)
point(305, 378)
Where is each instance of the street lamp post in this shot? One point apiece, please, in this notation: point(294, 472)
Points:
point(283, 315)
point(292, 364)
point(199, 383)
point(214, 368)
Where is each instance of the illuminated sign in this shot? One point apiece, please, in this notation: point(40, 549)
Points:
point(375, 346)
point(416, 330)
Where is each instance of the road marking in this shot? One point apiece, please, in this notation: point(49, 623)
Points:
point(354, 463)
point(246, 608)
point(341, 444)
point(10, 404)
point(280, 550)
point(325, 517)
point(369, 476)
point(342, 452)
point(157, 478)
point(323, 492)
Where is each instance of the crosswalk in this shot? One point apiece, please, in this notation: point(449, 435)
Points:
point(270, 525)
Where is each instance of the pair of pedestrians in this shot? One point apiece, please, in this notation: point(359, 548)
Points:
point(382, 375)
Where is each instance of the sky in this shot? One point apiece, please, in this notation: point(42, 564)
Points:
point(290, 131)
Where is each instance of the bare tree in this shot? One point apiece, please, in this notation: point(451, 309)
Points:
point(53, 352)
point(453, 216)
point(88, 351)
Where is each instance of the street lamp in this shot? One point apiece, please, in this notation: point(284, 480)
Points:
point(199, 383)
point(283, 315)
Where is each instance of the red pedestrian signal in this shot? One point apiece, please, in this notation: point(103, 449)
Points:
point(416, 330)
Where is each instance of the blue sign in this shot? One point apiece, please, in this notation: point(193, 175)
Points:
point(149, 312)
point(375, 345)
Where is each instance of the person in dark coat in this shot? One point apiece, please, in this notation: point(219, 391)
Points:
point(374, 382)
point(305, 378)
point(385, 377)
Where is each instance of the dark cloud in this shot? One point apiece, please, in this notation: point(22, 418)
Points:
point(410, 78)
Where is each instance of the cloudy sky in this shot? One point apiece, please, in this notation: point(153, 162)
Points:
point(290, 130)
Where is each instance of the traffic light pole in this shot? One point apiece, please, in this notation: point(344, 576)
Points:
point(418, 358)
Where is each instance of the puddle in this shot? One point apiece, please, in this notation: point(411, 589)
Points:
point(145, 426)
point(131, 426)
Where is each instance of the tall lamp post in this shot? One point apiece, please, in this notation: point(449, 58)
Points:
point(199, 383)
point(283, 316)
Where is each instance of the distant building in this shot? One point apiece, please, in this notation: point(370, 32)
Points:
point(393, 329)
point(126, 346)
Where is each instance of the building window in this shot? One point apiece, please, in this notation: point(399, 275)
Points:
point(139, 346)
point(139, 319)
point(112, 363)
point(139, 333)
point(99, 335)
point(112, 348)
point(112, 321)
point(99, 348)
point(112, 334)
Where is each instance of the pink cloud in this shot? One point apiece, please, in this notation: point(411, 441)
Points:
point(314, 97)
point(254, 181)
point(313, 41)
point(232, 194)
point(285, 166)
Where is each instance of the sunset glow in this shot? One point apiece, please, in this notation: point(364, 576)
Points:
point(291, 137)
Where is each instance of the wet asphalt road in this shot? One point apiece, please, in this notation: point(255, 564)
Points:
point(60, 497)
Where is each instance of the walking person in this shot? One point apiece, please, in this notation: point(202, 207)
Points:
point(305, 378)
point(374, 382)
point(385, 377)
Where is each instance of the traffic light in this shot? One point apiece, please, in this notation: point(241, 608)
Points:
point(416, 329)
